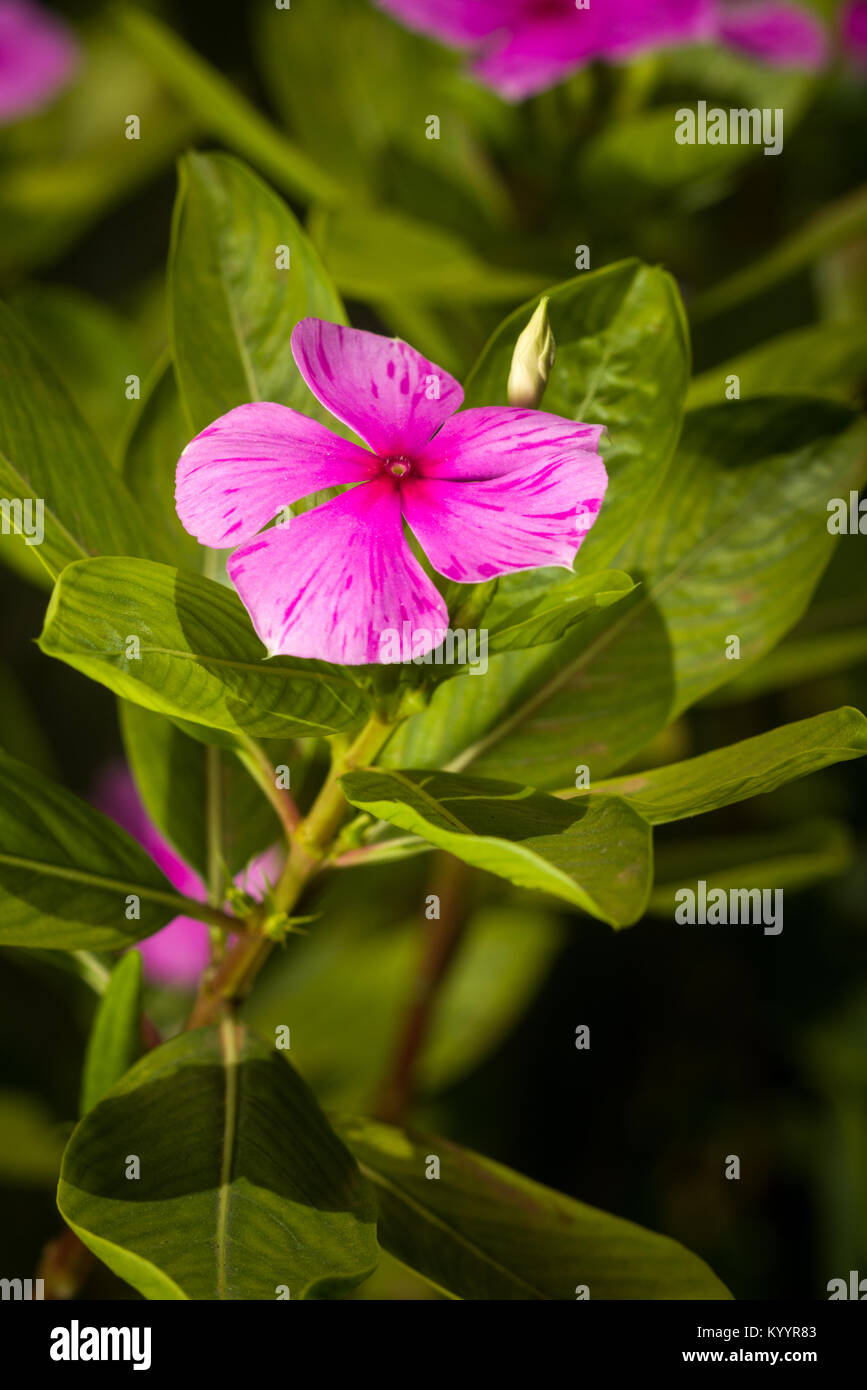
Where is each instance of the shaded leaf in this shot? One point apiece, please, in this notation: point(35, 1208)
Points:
point(267, 1194)
point(482, 1231)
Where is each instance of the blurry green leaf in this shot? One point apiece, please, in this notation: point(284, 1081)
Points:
point(734, 545)
point(559, 604)
point(637, 161)
point(835, 225)
point(796, 661)
point(623, 362)
point(357, 89)
point(750, 768)
point(90, 349)
point(232, 308)
point(266, 1195)
point(171, 775)
point(67, 872)
point(378, 254)
point(49, 455)
point(827, 359)
point(159, 436)
point(600, 861)
point(200, 659)
point(482, 1231)
point(324, 984)
point(795, 857)
point(31, 1144)
point(115, 1039)
point(221, 110)
point(67, 166)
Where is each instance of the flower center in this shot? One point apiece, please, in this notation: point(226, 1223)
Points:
point(398, 467)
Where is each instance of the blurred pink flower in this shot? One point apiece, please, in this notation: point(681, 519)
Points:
point(178, 953)
point(38, 56)
point(524, 46)
point(854, 30)
point(485, 492)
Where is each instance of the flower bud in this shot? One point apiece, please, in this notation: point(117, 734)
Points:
point(532, 360)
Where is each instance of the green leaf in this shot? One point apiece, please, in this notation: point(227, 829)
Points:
point(326, 980)
point(115, 1038)
point(48, 454)
point(377, 254)
point(750, 768)
point(600, 862)
point(734, 545)
point(827, 359)
point(91, 350)
point(514, 621)
point(797, 856)
point(66, 871)
point(170, 771)
point(266, 1196)
point(232, 308)
point(482, 1231)
point(200, 658)
point(623, 362)
point(156, 441)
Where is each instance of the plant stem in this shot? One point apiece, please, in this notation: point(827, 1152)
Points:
point(450, 884)
point(253, 756)
point(313, 837)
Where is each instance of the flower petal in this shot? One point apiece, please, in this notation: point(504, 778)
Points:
point(236, 475)
point(776, 32)
point(454, 21)
point(532, 516)
point(38, 57)
point(492, 440)
point(337, 581)
point(541, 50)
point(633, 26)
point(380, 387)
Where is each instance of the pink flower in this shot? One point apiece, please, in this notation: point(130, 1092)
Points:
point(179, 953)
point(485, 492)
point(854, 30)
point(524, 46)
point(38, 56)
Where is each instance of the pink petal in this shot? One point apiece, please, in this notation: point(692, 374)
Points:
point(454, 21)
point(541, 49)
point(384, 390)
point(776, 32)
point(491, 440)
point(38, 56)
point(634, 26)
point(333, 582)
point(236, 475)
point(177, 955)
point(854, 30)
point(532, 516)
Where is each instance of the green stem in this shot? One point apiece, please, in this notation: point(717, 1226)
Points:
point(309, 847)
point(255, 760)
